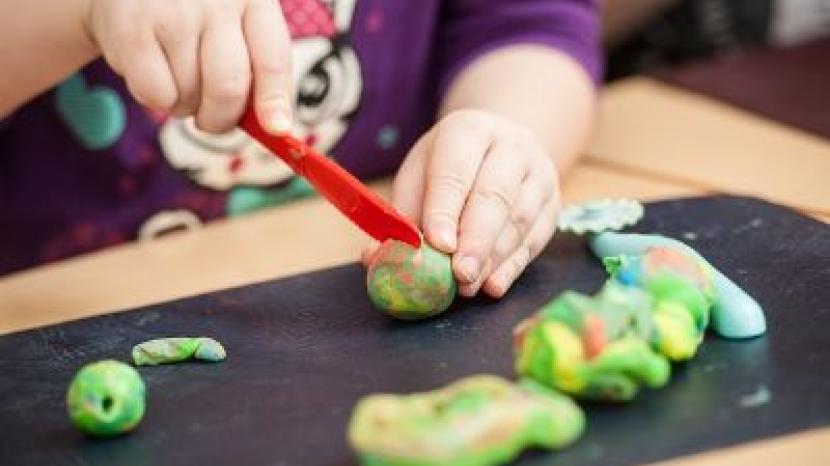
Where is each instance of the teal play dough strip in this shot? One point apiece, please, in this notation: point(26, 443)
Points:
point(170, 350)
point(735, 314)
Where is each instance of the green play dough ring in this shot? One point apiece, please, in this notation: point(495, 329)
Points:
point(408, 283)
point(106, 398)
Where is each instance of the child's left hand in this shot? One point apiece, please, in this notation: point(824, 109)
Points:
point(484, 190)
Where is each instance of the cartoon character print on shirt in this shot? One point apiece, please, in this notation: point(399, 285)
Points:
point(328, 87)
point(326, 69)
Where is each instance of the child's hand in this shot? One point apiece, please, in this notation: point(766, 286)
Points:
point(198, 57)
point(484, 189)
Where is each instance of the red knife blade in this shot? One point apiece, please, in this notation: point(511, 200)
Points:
point(363, 207)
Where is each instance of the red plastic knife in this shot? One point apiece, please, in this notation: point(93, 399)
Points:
point(351, 197)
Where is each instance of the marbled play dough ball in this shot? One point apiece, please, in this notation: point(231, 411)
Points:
point(106, 398)
point(409, 283)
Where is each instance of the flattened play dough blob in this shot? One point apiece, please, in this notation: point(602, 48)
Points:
point(170, 350)
point(480, 420)
point(595, 348)
point(734, 313)
point(106, 398)
point(408, 283)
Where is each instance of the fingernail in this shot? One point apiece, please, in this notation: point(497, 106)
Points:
point(282, 123)
point(499, 284)
point(469, 268)
point(447, 240)
point(279, 118)
point(467, 292)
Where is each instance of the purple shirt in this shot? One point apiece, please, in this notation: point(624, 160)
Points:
point(83, 166)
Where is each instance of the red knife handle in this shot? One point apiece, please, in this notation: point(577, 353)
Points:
point(290, 150)
point(365, 208)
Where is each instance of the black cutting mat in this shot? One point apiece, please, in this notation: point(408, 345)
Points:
point(304, 349)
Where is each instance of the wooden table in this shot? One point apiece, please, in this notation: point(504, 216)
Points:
point(654, 142)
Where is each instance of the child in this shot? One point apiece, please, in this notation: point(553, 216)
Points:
point(84, 166)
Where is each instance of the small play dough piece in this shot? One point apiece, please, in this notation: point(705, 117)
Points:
point(106, 398)
point(169, 350)
point(209, 350)
point(408, 283)
point(480, 420)
point(734, 314)
point(600, 215)
point(596, 348)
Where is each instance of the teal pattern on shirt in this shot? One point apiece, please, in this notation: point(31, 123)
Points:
point(95, 115)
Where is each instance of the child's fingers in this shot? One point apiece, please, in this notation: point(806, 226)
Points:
point(368, 251)
point(226, 73)
point(179, 37)
point(407, 190)
point(469, 290)
point(408, 187)
point(534, 194)
point(269, 45)
point(147, 73)
point(489, 206)
point(497, 284)
point(460, 143)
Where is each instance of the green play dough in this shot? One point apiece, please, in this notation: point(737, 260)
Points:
point(409, 283)
point(106, 398)
point(592, 347)
point(480, 420)
point(735, 314)
point(209, 350)
point(170, 350)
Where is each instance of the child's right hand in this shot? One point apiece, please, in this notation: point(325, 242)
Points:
point(199, 57)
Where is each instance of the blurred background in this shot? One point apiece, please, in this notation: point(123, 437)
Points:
point(645, 35)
